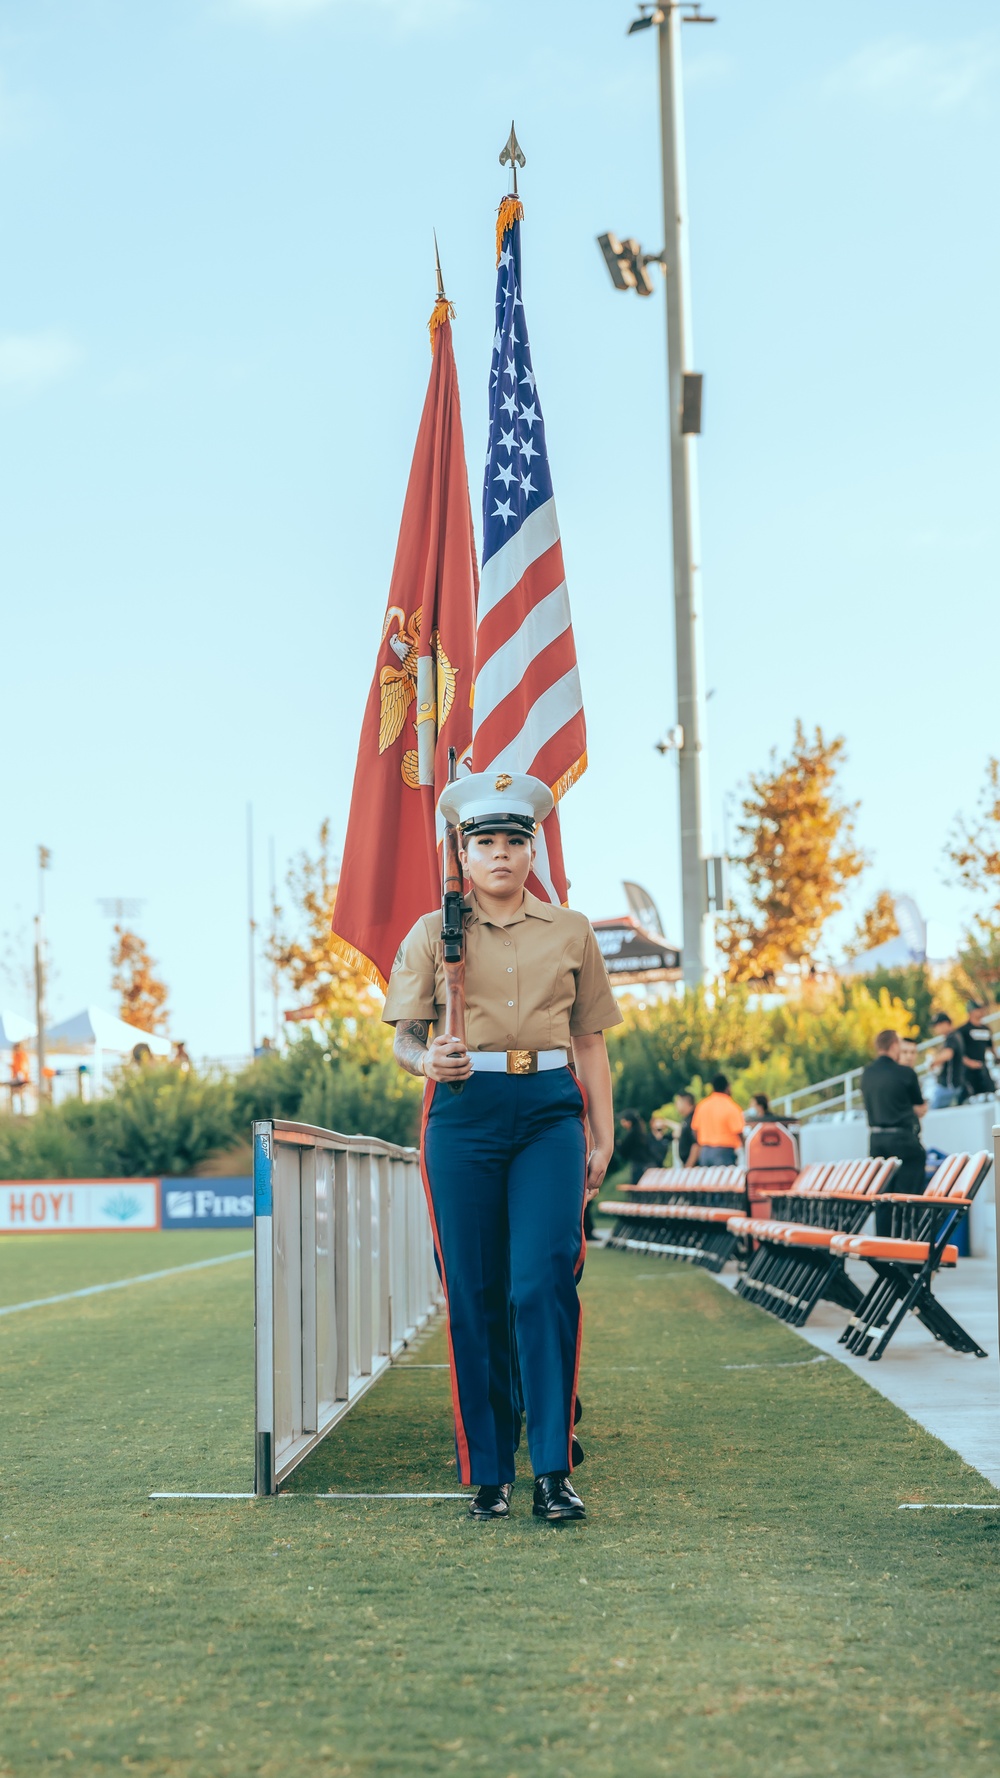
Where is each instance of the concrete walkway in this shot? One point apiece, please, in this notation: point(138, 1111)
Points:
point(954, 1395)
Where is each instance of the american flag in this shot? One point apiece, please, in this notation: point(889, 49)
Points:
point(528, 708)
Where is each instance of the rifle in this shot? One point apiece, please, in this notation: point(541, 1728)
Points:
point(453, 929)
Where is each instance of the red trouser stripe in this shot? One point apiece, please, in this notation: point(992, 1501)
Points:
point(579, 1263)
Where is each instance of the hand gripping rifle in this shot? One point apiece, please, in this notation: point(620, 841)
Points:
point(453, 929)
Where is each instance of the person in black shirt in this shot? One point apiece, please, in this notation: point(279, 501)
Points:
point(948, 1063)
point(895, 1105)
point(977, 1043)
point(634, 1147)
point(685, 1135)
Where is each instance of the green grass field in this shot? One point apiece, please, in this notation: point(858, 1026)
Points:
point(744, 1599)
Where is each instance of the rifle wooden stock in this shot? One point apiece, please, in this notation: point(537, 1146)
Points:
point(453, 930)
point(453, 938)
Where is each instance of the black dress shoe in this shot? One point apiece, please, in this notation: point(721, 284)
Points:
point(578, 1452)
point(556, 1499)
point(492, 1502)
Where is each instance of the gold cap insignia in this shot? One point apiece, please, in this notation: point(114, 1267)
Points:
point(504, 781)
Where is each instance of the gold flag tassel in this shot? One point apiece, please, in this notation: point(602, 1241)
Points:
point(511, 210)
point(443, 310)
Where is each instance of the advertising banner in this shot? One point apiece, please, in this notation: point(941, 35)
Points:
point(46, 1206)
point(206, 1203)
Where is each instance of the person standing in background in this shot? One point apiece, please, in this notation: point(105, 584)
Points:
point(909, 1053)
point(20, 1075)
point(661, 1139)
point(895, 1105)
point(977, 1043)
point(948, 1064)
point(718, 1127)
point(634, 1147)
point(686, 1143)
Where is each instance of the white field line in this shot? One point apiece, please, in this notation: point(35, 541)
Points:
point(200, 1497)
point(948, 1506)
point(68, 1296)
point(781, 1364)
point(295, 1496)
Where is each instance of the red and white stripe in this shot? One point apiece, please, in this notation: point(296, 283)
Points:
point(528, 707)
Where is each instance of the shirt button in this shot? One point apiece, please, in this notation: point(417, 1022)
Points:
point(507, 944)
point(510, 969)
point(510, 1003)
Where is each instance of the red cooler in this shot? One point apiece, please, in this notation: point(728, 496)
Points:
point(772, 1163)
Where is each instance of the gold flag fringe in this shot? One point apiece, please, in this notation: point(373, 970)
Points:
point(442, 311)
point(357, 960)
point(568, 779)
point(511, 210)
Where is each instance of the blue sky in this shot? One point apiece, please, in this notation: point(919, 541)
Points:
point(216, 222)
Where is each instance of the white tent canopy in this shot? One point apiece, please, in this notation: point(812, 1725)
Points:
point(14, 1028)
point(94, 1029)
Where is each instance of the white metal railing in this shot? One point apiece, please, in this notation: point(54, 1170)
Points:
point(841, 1092)
point(343, 1278)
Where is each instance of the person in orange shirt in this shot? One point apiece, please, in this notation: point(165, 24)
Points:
point(718, 1127)
point(19, 1075)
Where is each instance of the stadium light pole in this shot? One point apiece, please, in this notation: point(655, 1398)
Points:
point(251, 936)
point(44, 864)
point(684, 388)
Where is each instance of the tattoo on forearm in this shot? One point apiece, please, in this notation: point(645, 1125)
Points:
point(410, 1043)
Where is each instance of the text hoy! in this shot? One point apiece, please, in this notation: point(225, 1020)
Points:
point(50, 1206)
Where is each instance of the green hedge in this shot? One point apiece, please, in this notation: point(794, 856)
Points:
point(161, 1121)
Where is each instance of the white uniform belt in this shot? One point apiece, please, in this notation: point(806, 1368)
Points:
point(516, 1061)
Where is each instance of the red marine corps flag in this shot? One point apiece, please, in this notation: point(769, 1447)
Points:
point(419, 704)
point(528, 702)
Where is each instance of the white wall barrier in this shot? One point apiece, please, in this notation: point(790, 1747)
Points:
point(343, 1278)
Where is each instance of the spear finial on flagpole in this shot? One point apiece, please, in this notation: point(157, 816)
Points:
point(512, 152)
point(443, 310)
point(511, 209)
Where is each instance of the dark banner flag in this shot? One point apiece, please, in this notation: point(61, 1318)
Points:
point(419, 704)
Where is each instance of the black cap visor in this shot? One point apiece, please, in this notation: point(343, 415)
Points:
point(520, 824)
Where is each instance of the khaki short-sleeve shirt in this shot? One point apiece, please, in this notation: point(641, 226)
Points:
point(531, 984)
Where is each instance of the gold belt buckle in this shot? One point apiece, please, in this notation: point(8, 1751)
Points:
point(522, 1061)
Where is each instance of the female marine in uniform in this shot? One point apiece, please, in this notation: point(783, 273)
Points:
point(506, 1164)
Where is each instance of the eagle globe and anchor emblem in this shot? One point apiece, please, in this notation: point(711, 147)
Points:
point(429, 681)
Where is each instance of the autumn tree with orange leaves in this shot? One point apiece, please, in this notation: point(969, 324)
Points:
point(876, 926)
point(142, 996)
point(973, 851)
point(327, 987)
point(797, 857)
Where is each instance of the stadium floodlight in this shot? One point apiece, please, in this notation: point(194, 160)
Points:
point(626, 263)
point(691, 14)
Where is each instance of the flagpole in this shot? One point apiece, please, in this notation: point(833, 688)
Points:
point(251, 934)
point(688, 626)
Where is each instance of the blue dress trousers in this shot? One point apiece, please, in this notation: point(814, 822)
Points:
point(504, 1166)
